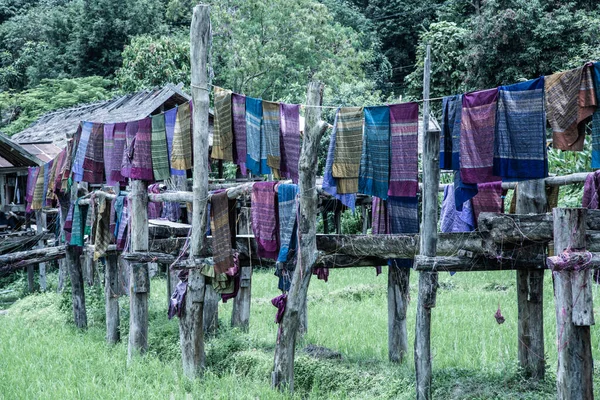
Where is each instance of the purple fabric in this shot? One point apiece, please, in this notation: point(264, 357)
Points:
point(130, 132)
point(404, 142)
point(154, 209)
point(177, 301)
point(82, 144)
point(290, 140)
point(93, 164)
point(109, 152)
point(32, 176)
point(170, 117)
point(264, 219)
point(279, 302)
point(234, 273)
point(489, 198)
point(477, 126)
point(322, 273)
point(117, 154)
point(123, 223)
point(141, 164)
point(381, 220)
point(452, 220)
point(591, 190)
point(238, 103)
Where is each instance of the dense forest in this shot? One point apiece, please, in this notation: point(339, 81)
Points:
point(58, 53)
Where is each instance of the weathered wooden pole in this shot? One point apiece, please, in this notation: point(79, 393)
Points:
point(398, 296)
point(428, 281)
point(40, 223)
point(210, 314)
point(111, 295)
point(62, 264)
point(191, 333)
point(574, 309)
point(73, 261)
point(283, 370)
point(240, 316)
point(139, 285)
point(531, 199)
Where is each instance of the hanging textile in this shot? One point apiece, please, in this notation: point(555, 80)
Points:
point(55, 177)
point(329, 182)
point(93, 164)
point(109, 150)
point(348, 149)
point(404, 168)
point(79, 218)
point(223, 214)
point(374, 172)
point(65, 171)
point(170, 117)
point(264, 219)
point(122, 222)
point(181, 157)
point(102, 231)
point(570, 102)
point(68, 226)
point(404, 218)
point(141, 164)
point(596, 118)
point(154, 208)
point(452, 220)
point(130, 136)
point(490, 198)
point(160, 153)
point(272, 128)
point(591, 191)
point(86, 131)
point(239, 130)
point(256, 158)
point(463, 192)
point(288, 210)
point(119, 139)
point(46, 201)
point(478, 121)
point(222, 135)
point(32, 176)
point(450, 135)
point(290, 140)
point(381, 221)
point(38, 190)
point(177, 300)
point(520, 138)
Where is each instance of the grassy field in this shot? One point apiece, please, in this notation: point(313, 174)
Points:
point(42, 356)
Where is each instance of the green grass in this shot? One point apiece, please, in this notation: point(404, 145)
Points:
point(43, 356)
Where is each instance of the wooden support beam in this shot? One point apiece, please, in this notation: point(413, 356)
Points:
point(40, 223)
point(73, 259)
point(573, 261)
point(211, 310)
point(398, 299)
point(240, 316)
point(111, 295)
point(572, 297)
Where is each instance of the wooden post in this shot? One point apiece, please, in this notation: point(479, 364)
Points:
point(191, 333)
point(240, 316)
point(283, 370)
point(571, 289)
point(531, 198)
point(111, 294)
point(211, 310)
point(40, 223)
point(73, 261)
point(62, 264)
point(427, 280)
point(398, 296)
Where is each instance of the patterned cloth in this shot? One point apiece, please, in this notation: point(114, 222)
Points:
point(450, 135)
point(329, 182)
point(288, 209)
point(47, 201)
point(256, 146)
point(239, 131)
point(170, 117)
point(130, 133)
point(223, 216)
point(290, 140)
point(381, 220)
point(160, 152)
point(93, 164)
point(119, 139)
point(141, 164)
point(404, 218)
point(348, 149)
point(181, 156)
point(109, 152)
point(452, 220)
point(591, 191)
point(490, 198)
point(102, 234)
point(65, 172)
point(79, 218)
point(177, 300)
point(222, 146)
point(374, 172)
point(596, 118)
point(32, 175)
point(570, 101)
point(404, 168)
point(122, 222)
point(82, 145)
point(54, 182)
point(463, 192)
point(272, 127)
point(264, 219)
point(39, 196)
point(154, 208)
point(520, 140)
point(478, 121)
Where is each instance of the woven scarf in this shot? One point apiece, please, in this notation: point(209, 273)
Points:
point(452, 220)
point(290, 140)
point(329, 182)
point(170, 118)
point(404, 218)
point(57, 167)
point(154, 208)
point(82, 145)
point(52, 178)
point(93, 164)
point(79, 217)
point(264, 219)
point(272, 127)
point(381, 220)
point(65, 171)
point(288, 208)
point(570, 101)
point(520, 139)
point(68, 226)
point(130, 132)
point(489, 198)
point(463, 192)
point(223, 216)
point(374, 172)
point(181, 157)
point(256, 145)
point(404, 131)
point(32, 175)
point(478, 122)
point(239, 131)
point(109, 151)
point(119, 139)
point(102, 231)
point(450, 135)
point(38, 192)
point(596, 118)
point(160, 153)
point(222, 147)
point(591, 191)
point(47, 201)
point(348, 149)
point(141, 164)
point(122, 223)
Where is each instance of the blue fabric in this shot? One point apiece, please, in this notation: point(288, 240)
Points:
point(450, 135)
point(520, 137)
point(403, 213)
point(374, 172)
point(288, 205)
point(86, 131)
point(256, 157)
point(452, 220)
point(596, 118)
point(329, 182)
point(463, 192)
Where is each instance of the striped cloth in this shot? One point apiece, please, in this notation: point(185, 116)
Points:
point(154, 208)
point(272, 127)
point(181, 157)
point(109, 151)
point(264, 219)
point(288, 211)
point(450, 135)
point(65, 172)
point(596, 118)
point(404, 131)
point(290, 140)
point(32, 175)
point(490, 198)
point(160, 153)
point(57, 167)
point(102, 231)
point(452, 220)
point(478, 122)
point(68, 226)
point(130, 133)
point(223, 133)
point(348, 149)
point(381, 220)
point(520, 139)
point(82, 145)
point(119, 139)
point(122, 222)
point(170, 118)
point(80, 214)
point(256, 145)
point(93, 164)
point(47, 201)
point(404, 218)
point(329, 182)
point(570, 101)
point(239, 130)
point(141, 164)
point(223, 214)
point(52, 177)
point(38, 190)
point(374, 172)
